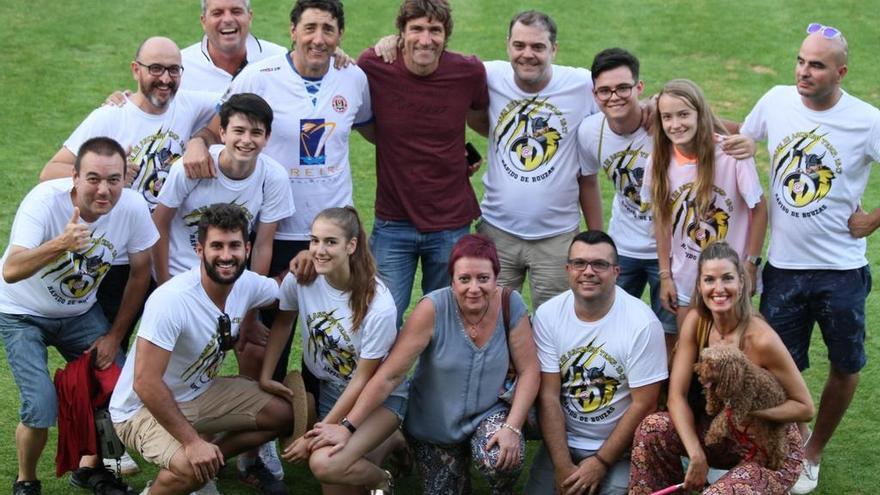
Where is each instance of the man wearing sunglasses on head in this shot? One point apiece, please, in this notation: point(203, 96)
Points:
point(603, 358)
point(821, 141)
point(170, 392)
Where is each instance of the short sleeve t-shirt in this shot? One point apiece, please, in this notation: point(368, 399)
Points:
point(180, 318)
point(67, 286)
point(421, 169)
point(531, 184)
point(201, 74)
point(599, 362)
point(331, 348)
point(309, 136)
point(737, 191)
point(263, 194)
point(153, 142)
point(623, 158)
point(819, 167)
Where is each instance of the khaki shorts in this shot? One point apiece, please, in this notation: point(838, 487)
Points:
point(231, 403)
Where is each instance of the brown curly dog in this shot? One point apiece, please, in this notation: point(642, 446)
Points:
point(734, 387)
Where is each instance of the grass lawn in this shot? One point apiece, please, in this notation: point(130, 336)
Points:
point(55, 68)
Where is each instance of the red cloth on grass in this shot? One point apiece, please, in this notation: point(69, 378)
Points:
point(80, 388)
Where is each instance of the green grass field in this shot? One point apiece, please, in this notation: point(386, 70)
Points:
point(56, 67)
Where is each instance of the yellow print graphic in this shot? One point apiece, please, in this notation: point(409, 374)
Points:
point(207, 366)
point(337, 353)
point(701, 227)
point(154, 156)
point(627, 174)
point(72, 276)
point(801, 172)
point(528, 133)
point(586, 387)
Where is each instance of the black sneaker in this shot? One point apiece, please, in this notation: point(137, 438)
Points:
point(27, 488)
point(259, 477)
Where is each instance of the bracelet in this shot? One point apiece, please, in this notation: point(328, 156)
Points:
point(602, 461)
point(347, 424)
point(664, 274)
point(512, 428)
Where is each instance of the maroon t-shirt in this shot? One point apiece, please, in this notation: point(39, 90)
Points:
point(421, 170)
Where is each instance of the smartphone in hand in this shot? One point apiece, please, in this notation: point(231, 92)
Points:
point(473, 156)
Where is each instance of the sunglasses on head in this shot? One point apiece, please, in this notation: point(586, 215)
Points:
point(224, 333)
point(827, 32)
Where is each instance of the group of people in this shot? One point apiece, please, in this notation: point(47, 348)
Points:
point(215, 227)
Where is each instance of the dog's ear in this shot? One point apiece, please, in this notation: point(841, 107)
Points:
point(729, 368)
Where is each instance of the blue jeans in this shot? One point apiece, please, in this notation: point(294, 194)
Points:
point(27, 338)
point(398, 247)
point(634, 275)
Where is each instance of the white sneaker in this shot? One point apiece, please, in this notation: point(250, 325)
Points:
point(808, 480)
point(126, 465)
point(210, 488)
point(269, 454)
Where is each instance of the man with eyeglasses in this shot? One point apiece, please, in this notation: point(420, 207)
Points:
point(603, 359)
point(64, 238)
point(821, 141)
point(226, 48)
point(617, 142)
point(169, 391)
point(535, 185)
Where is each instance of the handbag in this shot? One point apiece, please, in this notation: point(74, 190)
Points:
point(531, 430)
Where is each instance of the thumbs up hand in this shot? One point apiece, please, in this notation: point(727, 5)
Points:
point(76, 236)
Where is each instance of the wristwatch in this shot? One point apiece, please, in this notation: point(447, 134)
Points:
point(347, 424)
point(755, 260)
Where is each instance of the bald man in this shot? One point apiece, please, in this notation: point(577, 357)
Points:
point(821, 141)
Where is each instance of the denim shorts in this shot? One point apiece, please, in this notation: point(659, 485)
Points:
point(794, 300)
point(330, 392)
point(26, 339)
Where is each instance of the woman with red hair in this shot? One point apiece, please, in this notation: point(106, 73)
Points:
point(464, 347)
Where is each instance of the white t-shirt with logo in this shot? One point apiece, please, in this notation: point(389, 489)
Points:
point(309, 140)
point(599, 362)
point(153, 142)
point(67, 286)
point(330, 347)
point(737, 191)
point(623, 157)
point(200, 73)
point(531, 187)
point(181, 319)
point(262, 194)
point(819, 167)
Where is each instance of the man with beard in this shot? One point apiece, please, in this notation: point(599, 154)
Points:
point(169, 392)
point(64, 238)
point(153, 126)
point(226, 48)
point(603, 359)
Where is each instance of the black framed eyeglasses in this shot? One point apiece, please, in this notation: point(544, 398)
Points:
point(156, 70)
point(623, 91)
point(224, 333)
point(599, 266)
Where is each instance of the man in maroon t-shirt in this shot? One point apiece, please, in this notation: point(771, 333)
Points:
point(421, 101)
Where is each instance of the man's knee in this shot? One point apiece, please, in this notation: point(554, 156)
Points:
point(276, 415)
